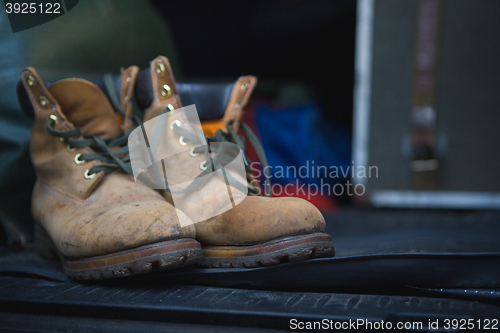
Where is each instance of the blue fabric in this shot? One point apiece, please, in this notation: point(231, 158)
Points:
point(300, 136)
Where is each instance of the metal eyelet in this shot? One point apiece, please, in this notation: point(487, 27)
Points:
point(182, 142)
point(77, 159)
point(31, 81)
point(192, 153)
point(170, 107)
point(166, 91)
point(70, 149)
point(245, 86)
point(87, 176)
point(61, 139)
point(44, 101)
point(54, 119)
point(203, 165)
point(175, 122)
point(237, 106)
point(129, 78)
point(160, 68)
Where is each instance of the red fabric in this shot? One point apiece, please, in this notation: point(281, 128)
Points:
point(322, 202)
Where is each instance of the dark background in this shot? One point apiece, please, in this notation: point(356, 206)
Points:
point(309, 42)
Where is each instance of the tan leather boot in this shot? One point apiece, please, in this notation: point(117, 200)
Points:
point(260, 230)
point(87, 209)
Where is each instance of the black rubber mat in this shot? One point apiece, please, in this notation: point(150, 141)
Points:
point(154, 302)
point(390, 265)
point(374, 248)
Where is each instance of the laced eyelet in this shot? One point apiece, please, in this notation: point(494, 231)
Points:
point(192, 153)
point(54, 119)
point(160, 68)
point(175, 122)
point(166, 91)
point(70, 149)
point(87, 176)
point(78, 161)
point(182, 142)
point(203, 165)
point(44, 101)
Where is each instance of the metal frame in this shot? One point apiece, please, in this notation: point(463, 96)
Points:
point(361, 133)
point(362, 87)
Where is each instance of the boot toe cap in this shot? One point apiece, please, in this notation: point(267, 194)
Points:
point(129, 226)
point(260, 219)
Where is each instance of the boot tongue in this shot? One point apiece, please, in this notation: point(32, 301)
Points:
point(86, 107)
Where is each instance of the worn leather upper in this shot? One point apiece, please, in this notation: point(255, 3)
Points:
point(89, 217)
point(256, 219)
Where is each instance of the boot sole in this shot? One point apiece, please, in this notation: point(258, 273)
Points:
point(288, 249)
point(144, 259)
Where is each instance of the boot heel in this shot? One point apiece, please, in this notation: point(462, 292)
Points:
point(43, 244)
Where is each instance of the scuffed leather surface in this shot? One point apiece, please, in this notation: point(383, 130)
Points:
point(181, 165)
point(118, 215)
point(86, 107)
point(255, 219)
point(52, 162)
point(239, 99)
point(260, 219)
point(90, 217)
point(126, 91)
point(233, 109)
point(157, 82)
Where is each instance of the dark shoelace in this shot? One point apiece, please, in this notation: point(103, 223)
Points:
point(112, 160)
point(219, 137)
point(220, 158)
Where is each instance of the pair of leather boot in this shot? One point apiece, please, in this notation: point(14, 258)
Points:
point(101, 223)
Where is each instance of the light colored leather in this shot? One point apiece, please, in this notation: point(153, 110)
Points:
point(118, 215)
point(170, 138)
point(127, 84)
point(52, 163)
point(89, 217)
point(181, 167)
point(160, 102)
point(242, 90)
point(88, 110)
point(240, 95)
point(260, 219)
point(255, 219)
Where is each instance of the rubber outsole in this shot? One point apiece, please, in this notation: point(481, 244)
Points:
point(144, 259)
point(288, 249)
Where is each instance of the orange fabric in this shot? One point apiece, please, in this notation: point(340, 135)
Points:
point(210, 127)
point(119, 120)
